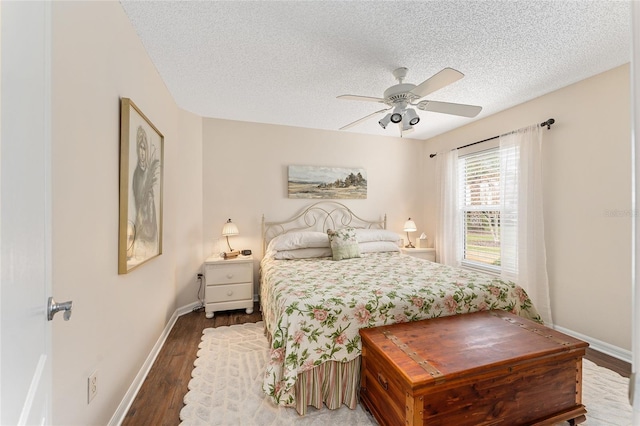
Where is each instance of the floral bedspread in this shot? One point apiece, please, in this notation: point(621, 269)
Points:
point(313, 308)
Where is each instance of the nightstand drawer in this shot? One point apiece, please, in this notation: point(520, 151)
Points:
point(229, 292)
point(421, 253)
point(228, 274)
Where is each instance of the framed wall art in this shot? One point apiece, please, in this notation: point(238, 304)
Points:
point(327, 182)
point(141, 170)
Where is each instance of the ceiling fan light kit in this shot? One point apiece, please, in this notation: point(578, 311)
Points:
point(402, 95)
point(396, 117)
point(385, 121)
point(412, 116)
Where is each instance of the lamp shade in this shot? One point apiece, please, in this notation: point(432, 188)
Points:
point(410, 226)
point(229, 228)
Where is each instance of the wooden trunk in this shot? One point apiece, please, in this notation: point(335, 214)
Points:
point(483, 368)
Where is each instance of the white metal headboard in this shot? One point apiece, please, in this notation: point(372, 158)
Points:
point(319, 216)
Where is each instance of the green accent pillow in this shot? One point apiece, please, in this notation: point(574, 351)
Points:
point(344, 244)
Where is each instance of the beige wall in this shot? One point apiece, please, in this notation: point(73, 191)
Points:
point(187, 204)
point(216, 169)
point(97, 58)
point(245, 176)
point(587, 196)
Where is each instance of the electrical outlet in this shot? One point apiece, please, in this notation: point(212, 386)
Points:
point(92, 386)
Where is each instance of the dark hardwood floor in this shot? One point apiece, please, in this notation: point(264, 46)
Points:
point(159, 400)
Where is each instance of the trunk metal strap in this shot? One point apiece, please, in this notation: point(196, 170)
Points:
point(433, 371)
point(540, 331)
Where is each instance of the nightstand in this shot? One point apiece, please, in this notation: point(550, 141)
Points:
point(422, 253)
point(228, 284)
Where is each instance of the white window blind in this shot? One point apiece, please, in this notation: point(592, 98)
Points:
point(481, 212)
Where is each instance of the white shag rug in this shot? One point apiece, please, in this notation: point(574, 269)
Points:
point(226, 388)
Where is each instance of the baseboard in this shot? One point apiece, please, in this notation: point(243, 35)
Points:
point(125, 404)
point(599, 345)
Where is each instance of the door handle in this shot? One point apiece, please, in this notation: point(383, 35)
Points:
point(53, 308)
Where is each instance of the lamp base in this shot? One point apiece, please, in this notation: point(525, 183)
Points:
point(228, 245)
point(231, 255)
point(409, 245)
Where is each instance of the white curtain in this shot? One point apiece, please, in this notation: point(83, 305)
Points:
point(447, 240)
point(523, 256)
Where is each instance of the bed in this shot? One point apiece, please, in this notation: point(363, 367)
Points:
point(316, 294)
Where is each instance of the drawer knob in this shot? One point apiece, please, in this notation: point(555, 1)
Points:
point(230, 293)
point(383, 382)
point(229, 276)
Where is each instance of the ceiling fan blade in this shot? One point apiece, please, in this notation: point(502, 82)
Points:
point(437, 82)
point(348, 126)
point(450, 108)
point(361, 98)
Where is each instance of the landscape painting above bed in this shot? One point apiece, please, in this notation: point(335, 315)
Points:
point(327, 182)
point(313, 305)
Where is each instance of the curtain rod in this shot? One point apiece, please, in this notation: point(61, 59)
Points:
point(547, 123)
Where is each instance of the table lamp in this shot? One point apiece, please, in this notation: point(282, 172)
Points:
point(409, 226)
point(228, 229)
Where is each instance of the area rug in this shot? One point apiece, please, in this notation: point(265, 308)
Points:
point(226, 388)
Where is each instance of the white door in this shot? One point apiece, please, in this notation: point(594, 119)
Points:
point(25, 218)
point(634, 384)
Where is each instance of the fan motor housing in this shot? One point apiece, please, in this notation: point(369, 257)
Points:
point(399, 93)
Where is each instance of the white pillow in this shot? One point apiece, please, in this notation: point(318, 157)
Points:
point(299, 240)
point(378, 246)
point(304, 253)
point(367, 235)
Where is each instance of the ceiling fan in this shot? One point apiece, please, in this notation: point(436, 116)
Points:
point(401, 96)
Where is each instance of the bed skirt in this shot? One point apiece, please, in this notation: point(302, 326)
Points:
point(332, 383)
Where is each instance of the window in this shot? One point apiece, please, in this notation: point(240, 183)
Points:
point(481, 213)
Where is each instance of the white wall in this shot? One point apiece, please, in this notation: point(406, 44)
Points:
point(245, 176)
point(97, 58)
point(587, 198)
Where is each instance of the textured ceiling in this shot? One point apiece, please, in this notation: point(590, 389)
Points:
point(285, 62)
